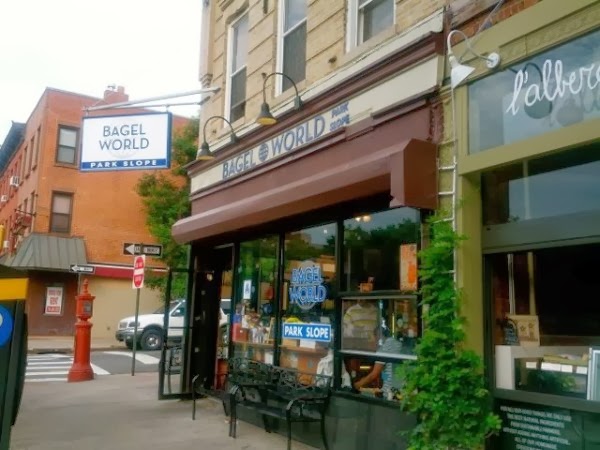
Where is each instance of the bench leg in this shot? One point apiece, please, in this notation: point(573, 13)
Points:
point(289, 431)
point(323, 435)
point(194, 397)
point(232, 416)
point(266, 423)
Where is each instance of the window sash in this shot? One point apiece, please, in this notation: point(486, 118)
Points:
point(360, 9)
point(291, 65)
point(62, 205)
point(236, 78)
point(67, 145)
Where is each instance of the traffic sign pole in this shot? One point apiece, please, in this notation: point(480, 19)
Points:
point(135, 330)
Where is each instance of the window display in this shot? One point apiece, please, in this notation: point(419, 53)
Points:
point(254, 313)
point(378, 334)
point(307, 303)
point(380, 251)
point(545, 321)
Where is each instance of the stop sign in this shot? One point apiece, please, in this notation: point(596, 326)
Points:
point(139, 264)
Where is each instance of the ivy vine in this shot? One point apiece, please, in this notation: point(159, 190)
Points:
point(445, 387)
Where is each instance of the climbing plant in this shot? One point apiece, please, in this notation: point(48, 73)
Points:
point(445, 386)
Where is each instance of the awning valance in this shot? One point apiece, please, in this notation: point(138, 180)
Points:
point(406, 170)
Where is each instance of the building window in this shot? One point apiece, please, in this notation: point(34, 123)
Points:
point(292, 43)
point(367, 18)
point(37, 148)
point(236, 70)
point(31, 151)
point(60, 221)
point(67, 145)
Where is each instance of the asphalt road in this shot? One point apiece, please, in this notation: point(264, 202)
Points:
point(55, 367)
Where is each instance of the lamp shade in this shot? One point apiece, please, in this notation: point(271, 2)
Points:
point(265, 117)
point(204, 153)
point(459, 72)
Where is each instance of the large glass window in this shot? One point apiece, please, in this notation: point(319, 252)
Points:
point(380, 251)
point(561, 184)
point(308, 299)
point(546, 322)
point(254, 314)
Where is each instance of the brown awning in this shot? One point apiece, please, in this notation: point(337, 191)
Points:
point(406, 170)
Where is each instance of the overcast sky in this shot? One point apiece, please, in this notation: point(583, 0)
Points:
point(151, 47)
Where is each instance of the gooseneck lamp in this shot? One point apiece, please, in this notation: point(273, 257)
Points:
point(265, 117)
point(460, 72)
point(204, 153)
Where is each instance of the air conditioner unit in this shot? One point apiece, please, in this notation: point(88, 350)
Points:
point(5, 244)
point(3, 198)
point(14, 180)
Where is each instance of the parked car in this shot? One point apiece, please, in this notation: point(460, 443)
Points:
point(150, 326)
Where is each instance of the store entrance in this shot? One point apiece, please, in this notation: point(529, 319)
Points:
point(210, 316)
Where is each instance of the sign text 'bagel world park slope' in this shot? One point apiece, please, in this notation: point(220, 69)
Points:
point(126, 142)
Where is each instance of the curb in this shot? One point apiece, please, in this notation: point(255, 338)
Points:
point(69, 350)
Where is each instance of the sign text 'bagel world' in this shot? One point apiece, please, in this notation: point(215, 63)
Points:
point(288, 141)
point(126, 142)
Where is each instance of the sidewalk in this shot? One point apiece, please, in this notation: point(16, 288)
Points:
point(64, 344)
point(121, 412)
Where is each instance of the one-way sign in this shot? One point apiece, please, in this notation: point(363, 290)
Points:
point(80, 268)
point(142, 249)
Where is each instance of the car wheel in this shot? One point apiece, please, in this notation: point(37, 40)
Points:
point(151, 340)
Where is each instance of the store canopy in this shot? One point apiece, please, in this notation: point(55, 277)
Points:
point(406, 170)
point(43, 252)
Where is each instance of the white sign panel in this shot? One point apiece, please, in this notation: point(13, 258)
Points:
point(54, 301)
point(127, 142)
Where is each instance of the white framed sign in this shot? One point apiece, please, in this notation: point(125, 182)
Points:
point(126, 142)
point(54, 301)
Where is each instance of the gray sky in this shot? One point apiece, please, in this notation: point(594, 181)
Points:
point(151, 47)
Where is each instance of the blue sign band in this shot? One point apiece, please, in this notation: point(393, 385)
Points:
point(309, 331)
point(6, 326)
point(127, 164)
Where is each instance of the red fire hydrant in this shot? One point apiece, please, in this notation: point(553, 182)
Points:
point(81, 370)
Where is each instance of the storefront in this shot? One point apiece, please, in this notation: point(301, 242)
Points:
point(311, 227)
point(529, 171)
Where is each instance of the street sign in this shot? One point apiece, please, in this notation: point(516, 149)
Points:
point(82, 268)
point(142, 249)
point(139, 264)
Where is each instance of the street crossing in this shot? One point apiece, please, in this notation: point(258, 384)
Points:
point(52, 367)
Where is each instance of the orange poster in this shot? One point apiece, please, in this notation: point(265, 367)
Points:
point(408, 267)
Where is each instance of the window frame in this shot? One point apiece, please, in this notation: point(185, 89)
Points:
point(229, 74)
point(353, 14)
point(58, 145)
point(52, 213)
point(281, 35)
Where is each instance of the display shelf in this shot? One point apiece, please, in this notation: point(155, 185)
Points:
point(321, 351)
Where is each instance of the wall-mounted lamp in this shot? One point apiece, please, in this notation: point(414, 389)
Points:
point(460, 72)
point(265, 117)
point(204, 153)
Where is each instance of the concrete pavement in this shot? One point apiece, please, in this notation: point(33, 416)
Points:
point(64, 344)
point(122, 412)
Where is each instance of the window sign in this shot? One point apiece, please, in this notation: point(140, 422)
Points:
point(54, 301)
point(310, 331)
point(555, 89)
point(306, 286)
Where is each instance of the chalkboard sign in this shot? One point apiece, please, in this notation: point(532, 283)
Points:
point(510, 333)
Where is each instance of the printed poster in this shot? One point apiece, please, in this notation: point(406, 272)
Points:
point(54, 301)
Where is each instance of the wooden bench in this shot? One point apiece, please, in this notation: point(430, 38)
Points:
point(278, 392)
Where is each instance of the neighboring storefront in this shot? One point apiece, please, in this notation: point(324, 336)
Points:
point(529, 178)
point(312, 226)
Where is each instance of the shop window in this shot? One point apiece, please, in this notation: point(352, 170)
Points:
point(308, 299)
point(236, 70)
point(545, 320)
point(66, 152)
point(253, 330)
point(367, 18)
point(378, 335)
point(380, 251)
point(60, 219)
point(292, 44)
point(555, 185)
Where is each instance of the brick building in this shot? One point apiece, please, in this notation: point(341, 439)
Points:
point(55, 216)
